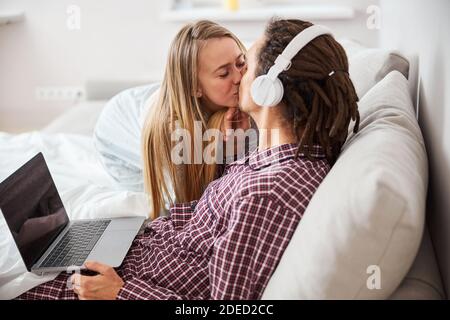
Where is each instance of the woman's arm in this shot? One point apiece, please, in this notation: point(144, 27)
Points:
point(226, 122)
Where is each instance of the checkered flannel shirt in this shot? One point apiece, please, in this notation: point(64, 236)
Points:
point(226, 245)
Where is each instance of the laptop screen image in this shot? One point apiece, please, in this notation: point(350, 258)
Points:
point(32, 209)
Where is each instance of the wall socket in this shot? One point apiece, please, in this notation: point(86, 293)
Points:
point(73, 94)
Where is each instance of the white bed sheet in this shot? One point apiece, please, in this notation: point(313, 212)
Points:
point(85, 188)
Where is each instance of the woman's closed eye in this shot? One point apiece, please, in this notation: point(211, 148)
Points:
point(224, 75)
point(240, 65)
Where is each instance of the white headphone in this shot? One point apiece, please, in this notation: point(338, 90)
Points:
point(267, 90)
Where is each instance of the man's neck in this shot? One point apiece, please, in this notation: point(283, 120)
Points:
point(273, 129)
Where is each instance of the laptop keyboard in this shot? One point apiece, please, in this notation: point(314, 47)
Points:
point(77, 243)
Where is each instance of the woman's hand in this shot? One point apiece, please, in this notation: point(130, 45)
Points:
point(235, 119)
point(104, 286)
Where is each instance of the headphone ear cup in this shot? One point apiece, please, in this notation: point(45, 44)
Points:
point(279, 89)
point(266, 92)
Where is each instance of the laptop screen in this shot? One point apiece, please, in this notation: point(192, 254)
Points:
point(32, 209)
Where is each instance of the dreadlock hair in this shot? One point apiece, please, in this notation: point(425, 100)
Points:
point(319, 96)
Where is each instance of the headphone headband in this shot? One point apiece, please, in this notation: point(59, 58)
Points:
point(267, 90)
point(283, 61)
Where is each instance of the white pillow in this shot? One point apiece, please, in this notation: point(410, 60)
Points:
point(80, 119)
point(367, 66)
point(117, 136)
point(368, 211)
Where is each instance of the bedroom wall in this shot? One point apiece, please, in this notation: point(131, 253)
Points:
point(422, 28)
point(118, 39)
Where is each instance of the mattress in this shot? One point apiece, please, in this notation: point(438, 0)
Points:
point(86, 190)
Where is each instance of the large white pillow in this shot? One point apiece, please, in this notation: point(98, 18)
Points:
point(367, 66)
point(80, 119)
point(117, 136)
point(369, 210)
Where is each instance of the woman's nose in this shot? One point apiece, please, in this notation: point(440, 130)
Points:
point(244, 69)
point(237, 75)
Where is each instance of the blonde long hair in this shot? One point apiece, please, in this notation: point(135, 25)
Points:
point(177, 101)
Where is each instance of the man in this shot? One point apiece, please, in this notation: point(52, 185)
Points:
point(228, 244)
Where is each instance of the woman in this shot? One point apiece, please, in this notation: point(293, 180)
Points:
point(201, 81)
point(202, 77)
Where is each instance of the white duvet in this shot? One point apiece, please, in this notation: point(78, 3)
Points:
point(87, 191)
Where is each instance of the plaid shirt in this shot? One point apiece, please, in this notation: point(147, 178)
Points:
point(227, 244)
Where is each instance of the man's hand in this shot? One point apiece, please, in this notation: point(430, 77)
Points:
point(104, 286)
point(235, 119)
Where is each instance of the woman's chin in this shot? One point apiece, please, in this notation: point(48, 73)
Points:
point(234, 104)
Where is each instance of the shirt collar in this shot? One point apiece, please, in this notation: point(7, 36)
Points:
point(261, 159)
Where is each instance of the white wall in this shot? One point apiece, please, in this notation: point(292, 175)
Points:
point(118, 39)
point(422, 27)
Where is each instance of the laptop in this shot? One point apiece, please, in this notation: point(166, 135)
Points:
point(46, 238)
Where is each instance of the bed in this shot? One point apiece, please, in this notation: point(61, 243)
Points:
point(88, 191)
